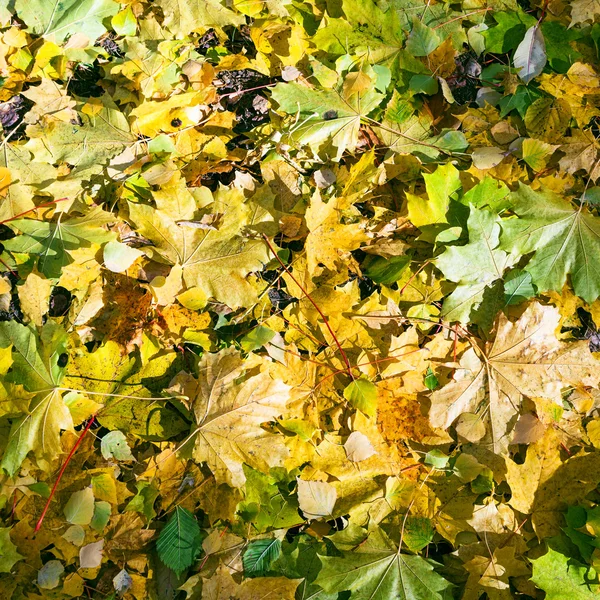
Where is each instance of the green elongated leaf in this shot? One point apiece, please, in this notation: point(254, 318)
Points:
point(430, 380)
point(52, 241)
point(377, 571)
point(362, 394)
point(563, 578)
point(563, 240)
point(256, 338)
point(62, 18)
point(385, 270)
point(259, 556)
point(179, 542)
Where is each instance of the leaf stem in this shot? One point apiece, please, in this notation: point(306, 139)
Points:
point(325, 321)
point(38, 525)
point(25, 212)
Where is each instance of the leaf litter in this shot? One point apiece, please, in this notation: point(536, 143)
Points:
point(299, 299)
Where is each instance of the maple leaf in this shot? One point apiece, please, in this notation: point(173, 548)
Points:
point(329, 241)
point(35, 363)
point(563, 240)
point(561, 576)
point(214, 260)
point(367, 28)
point(524, 360)
point(229, 414)
point(378, 571)
point(250, 221)
point(9, 553)
point(329, 114)
point(52, 241)
point(61, 19)
point(584, 10)
point(475, 266)
point(184, 17)
point(86, 145)
point(222, 585)
point(492, 574)
point(108, 371)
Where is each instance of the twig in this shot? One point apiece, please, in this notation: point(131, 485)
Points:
point(38, 525)
point(325, 321)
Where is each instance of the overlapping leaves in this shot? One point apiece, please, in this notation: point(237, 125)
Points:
point(317, 283)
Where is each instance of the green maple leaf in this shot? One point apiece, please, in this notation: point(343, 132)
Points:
point(474, 266)
point(143, 501)
point(378, 30)
point(422, 40)
point(377, 571)
point(430, 212)
point(88, 145)
point(8, 551)
point(564, 241)
point(267, 504)
point(333, 115)
point(562, 577)
point(35, 358)
point(62, 18)
point(509, 31)
point(367, 26)
point(35, 366)
point(52, 241)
